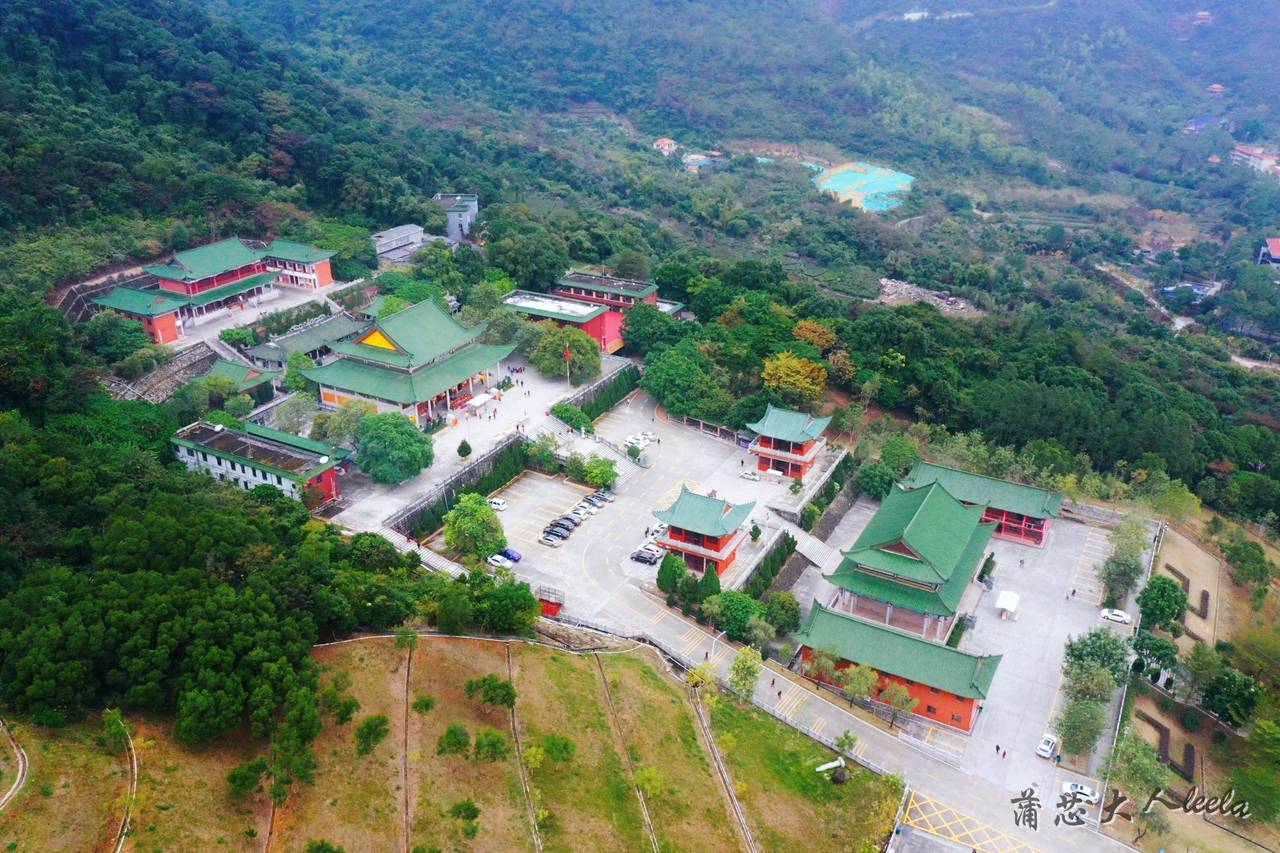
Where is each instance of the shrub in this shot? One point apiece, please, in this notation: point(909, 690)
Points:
point(464, 448)
point(809, 516)
point(1191, 720)
point(244, 778)
point(454, 741)
point(957, 631)
point(491, 745)
point(424, 704)
point(572, 416)
point(464, 810)
point(1165, 704)
point(371, 732)
point(558, 748)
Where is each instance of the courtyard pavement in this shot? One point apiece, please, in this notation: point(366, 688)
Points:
point(284, 297)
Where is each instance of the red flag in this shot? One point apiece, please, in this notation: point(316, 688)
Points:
point(566, 353)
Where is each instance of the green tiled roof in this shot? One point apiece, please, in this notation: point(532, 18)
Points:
point(287, 250)
point(232, 289)
point(706, 515)
point(298, 441)
point(309, 339)
point(898, 653)
point(988, 491)
point(204, 261)
point(243, 375)
point(931, 523)
point(788, 425)
point(940, 601)
point(421, 332)
point(403, 386)
point(607, 284)
point(141, 303)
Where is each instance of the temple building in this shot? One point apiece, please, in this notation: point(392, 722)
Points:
point(419, 362)
point(912, 563)
point(257, 384)
point(312, 340)
point(787, 441)
point(258, 455)
point(460, 212)
point(704, 530)
point(1021, 513)
point(621, 293)
point(948, 685)
point(199, 284)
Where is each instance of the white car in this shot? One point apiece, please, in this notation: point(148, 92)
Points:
point(659, 529)
point(754, 476)
point(1083, 793)
point(499, 562)
point(1117, 616)
point(1048, 746)
point(590, 509)
point(646, 434)
point(638, 441)
point(498, 503)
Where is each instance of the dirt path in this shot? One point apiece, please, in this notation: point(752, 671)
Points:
point(524, 771)
point(133, 793)
point(22, 768)
point(626, 754)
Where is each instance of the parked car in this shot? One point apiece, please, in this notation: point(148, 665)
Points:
point(1048, 746)
point(646, 434)
point(1083, 793)
point(1117, 616)
point(596, 502)
point(589, 509)
point(570, 520)
point(549, 540)
point(580, 514)
point(558, 532)
point(645, 556)
point(605, 495)
point(498, 503)
point(660, 528)
point(511, 554)
point(637, 441)
point(499, 562)
point(750, 475)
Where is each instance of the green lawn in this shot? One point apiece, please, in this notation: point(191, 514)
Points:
point(789, 805)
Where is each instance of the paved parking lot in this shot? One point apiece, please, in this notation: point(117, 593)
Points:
point(593, 567)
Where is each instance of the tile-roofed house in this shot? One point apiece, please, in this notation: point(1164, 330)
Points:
point(602, 323)
point(248, 380)
point(257, 455)
point(1021, 512)
point(947, 683)
point(913, 561)
point(460, 212)
point(787, 441)
point(620, 293)
point(312, 341)
point(706, 531)
point(420, 362)
point(1269, 252)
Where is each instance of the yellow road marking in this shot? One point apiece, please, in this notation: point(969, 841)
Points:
point(790, 701)
point(657, 617)
point(818, 725)
point(929, 815)
point(721, 653)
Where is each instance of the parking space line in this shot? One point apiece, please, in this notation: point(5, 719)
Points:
point(791, 699)
point(721, 653)
point(657, 617)
point(818, 725)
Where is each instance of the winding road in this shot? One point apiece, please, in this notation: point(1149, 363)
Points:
point(22, 768)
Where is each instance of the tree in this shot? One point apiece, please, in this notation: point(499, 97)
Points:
point(814, 333)
point(371, 732)
point(406, 641)
point(857, 681)
point(899, 700)
point(651, 781)
point(453, 613)
point(798, 381)
point(1249, 562)
point(244, 778)
point(558, 747)
point(700, 675)
point(238, 406)
point(423, 704)
point(491, 745)
point(745, 671)
point(322, 846)
point(293, 378)
point(341, 427)
point(648, 327)
point(114, 336)
point(292, 414)
point(584, 354)
point(632, 265)
point(464, 449)
point(1162, 602)
point(1135, 766)
point(899, 452)
point(472, 527)
point(455, 740)
point(534, 757)
point(783, 612)
point(1201, 666)
point(876, 479)
point(1081, 724)
point(1232, 696)
point(391, 304)
point(1257, 774)
point(759, 632)
point(601, 473)
point(1120, 573)
point(670, 571)
point(709, 585)
point(1088, 679)
point(115, 731)
point(1102, 647)
point(735, 610)
point(492, 690)
point(1156, 653)
point(391, 448)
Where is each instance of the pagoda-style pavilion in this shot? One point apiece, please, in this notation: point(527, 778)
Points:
point(704, 530)
point(1021, 513)
point(787, 441)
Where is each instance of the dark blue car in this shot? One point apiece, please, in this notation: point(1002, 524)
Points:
point(511, 554)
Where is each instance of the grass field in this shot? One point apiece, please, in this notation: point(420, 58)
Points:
point(589, 802)
point(183, 802)
point(440, 669)
point(789, 805)
point(355, 801)
point(690, 812)
point(74, 794)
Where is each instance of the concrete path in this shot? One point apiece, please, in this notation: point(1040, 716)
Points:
point(21, 777)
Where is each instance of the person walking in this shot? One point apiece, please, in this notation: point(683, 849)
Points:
point(997, 749)
point(1004, 753)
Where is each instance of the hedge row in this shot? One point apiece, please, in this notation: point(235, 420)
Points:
point(608, 396)
point(572, 416)
point(770, 566)
point(509, 464)
point(279, 322)
point(813, 510)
